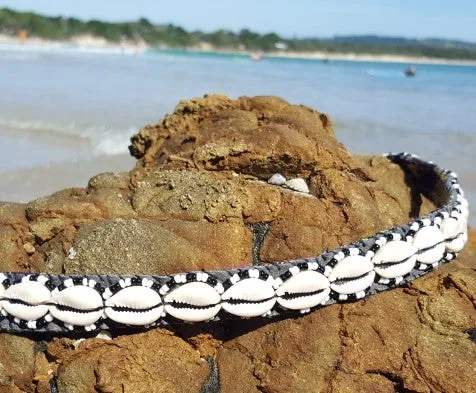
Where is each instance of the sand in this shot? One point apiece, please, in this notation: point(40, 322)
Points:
point(88, 43)
point(23, 185)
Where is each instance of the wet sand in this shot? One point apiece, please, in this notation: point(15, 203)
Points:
point(23, 185)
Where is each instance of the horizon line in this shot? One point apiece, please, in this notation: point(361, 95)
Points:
point(322, 38)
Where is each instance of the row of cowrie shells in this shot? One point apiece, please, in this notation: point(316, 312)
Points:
point(393, 259)
point(252, 292)
point(301, 289)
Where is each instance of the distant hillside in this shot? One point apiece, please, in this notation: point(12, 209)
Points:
point(396, 41)
point(171, 36)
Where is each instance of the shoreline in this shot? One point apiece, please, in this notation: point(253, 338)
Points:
point(370, 58)
point(47, 178)
point(90, 44)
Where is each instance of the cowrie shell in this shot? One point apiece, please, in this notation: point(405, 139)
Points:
point(352, 274)
point(304, 290)
point(135, 305)
point(250, 297)
point(193, 302)
point(395, 259)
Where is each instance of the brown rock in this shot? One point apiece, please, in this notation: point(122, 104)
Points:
point(13, 255)
point(43, 373)
point(17, 363)
point(108, 180)
point(371, 382)
point(14, 237)
point(290, 356)
point(72, 204)
point(259, 136)
point(188, 205)
point(155, 361)
point(113, 203)
point(13, 214)
point(263, 204)
point(49, 215)
point(29, 248)
point(141, 247)
point(188, 196)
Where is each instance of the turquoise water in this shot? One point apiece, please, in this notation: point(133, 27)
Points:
point(61, 106)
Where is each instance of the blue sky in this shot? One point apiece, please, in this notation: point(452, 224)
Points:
point(301, 18)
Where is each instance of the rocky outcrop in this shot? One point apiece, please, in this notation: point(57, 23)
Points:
point(189, 204)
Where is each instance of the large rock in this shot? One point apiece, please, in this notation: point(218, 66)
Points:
point(190, 203)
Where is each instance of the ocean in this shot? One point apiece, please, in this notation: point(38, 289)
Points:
point(66, 115)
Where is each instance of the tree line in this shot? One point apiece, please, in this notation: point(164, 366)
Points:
point(172, 36)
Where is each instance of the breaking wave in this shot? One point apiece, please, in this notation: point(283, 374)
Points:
point(98, 139)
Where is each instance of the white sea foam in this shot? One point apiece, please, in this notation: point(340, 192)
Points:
point(113, 143)
point(98, 139)
point(37, 126)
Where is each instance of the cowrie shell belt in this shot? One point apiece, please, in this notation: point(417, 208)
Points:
point(60, 303)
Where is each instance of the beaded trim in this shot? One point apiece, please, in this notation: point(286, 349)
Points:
point(60, 303)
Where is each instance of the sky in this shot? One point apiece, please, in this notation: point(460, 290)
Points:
point(290, 18)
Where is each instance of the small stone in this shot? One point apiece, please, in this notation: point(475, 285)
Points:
point(277, 179)
point(71, 253)
point(298, 184)
point(78, 342)
point(29, 248)
point(104, 335)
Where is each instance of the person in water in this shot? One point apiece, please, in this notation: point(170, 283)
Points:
point(411, 70)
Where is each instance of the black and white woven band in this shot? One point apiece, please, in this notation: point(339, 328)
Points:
point(60, 303)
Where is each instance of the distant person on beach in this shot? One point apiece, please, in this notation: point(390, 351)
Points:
point(411, 70)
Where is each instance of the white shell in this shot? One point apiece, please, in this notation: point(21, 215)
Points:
point(193, 314)
point(248, 310)
point(249, 289)
point(304, 282)
point(25, 312)
point(145, 300)
point(194, 294)
point(354, 286)
point(298, 184)
point(349, 267)
point(463, 222)
point(429, 237)
point(31, 292)
point(79, 297)
point(455, 245)
point(277, 179)
point(136, 297)
point(137, 318)
point(452, 229)
point(395, 251)
point(76, 318)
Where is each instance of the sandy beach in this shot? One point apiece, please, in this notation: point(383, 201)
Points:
point(46, 179)
point(88, 43)
point(369, 58)
point(84, 43)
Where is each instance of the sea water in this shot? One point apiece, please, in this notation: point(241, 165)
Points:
point(63, 107)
